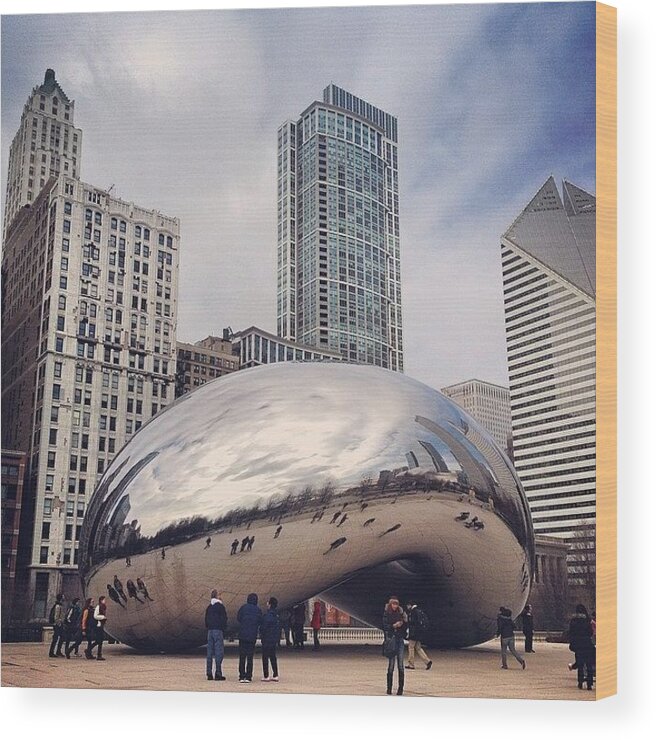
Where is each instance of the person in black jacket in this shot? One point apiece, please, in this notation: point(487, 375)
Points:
point(417, 628)
point(395, 627)
point(506, 631)
point(270, 637)
point(73, 628)
point(527, 628)
point(249, 617)
point(580, 643)
point(216, 622)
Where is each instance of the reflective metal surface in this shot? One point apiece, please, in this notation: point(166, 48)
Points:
point(300, 479)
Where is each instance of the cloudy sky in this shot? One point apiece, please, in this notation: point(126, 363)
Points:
point(180, 112)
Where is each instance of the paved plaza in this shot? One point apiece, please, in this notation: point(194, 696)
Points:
point(335, 669)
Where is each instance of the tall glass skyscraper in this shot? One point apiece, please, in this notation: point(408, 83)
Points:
point(339, 278)
point(548, 261)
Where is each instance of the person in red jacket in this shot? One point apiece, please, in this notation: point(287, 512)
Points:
point(315, 623)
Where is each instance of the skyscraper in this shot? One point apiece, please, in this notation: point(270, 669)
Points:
point(45, 145)
point(548, 262)
point(89, 312)
point(489, 404)
point(339, 284)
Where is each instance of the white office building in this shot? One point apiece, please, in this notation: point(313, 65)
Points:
point(548, 260)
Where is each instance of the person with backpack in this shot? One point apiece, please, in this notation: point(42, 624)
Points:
point(86, 624)
point(56, 619)
point(73, 628)
point(580, 643)
point(417, 629)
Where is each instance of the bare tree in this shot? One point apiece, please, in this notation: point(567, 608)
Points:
point(582, 560)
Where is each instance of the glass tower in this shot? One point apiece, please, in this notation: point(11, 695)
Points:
point(339, 285)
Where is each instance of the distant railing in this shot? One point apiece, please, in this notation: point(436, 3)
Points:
point(346, 634)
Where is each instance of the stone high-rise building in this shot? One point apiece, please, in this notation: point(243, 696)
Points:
point(46, 144)
point(548, 264)
point(339, 280)
point(89, 312)
point(489, 404)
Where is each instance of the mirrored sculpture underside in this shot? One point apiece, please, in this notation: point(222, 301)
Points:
point(303, 479)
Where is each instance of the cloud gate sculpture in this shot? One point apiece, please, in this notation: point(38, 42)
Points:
point(296, 480)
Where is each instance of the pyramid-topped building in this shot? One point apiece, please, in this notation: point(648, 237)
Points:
point(548, 264)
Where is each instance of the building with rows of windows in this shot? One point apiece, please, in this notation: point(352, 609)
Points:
point(202, 361)
point(548, 264)
point(89, 286)
point(45, 145)
point(489, 404)
point(339, 284)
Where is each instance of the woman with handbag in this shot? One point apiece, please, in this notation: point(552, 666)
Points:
point(395, 627)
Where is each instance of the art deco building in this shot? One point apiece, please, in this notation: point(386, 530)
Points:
point(254, 346)
point(489, 404)
point(548, 260)
point(13, 477)
point(89, 285)
point(339, 285)
point(45, 145)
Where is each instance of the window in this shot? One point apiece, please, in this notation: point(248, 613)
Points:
point(43, 556)
point(58, 369)
point(47, 506)
point(45, 531)
point(56, 391)
point(51, 459)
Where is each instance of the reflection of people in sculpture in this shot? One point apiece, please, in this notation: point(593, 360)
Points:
point(463, 516)
point(244, 542)
point(363, 506)
point(335, 517)
point(142, 587)
point(208, 543)
point(334, 545)
point(471, 524)
point(342, 520)
point(163, 553)
point(250, 543)
point(132, 590)
point(113, 595)
point(369, 521)
point(391, 529)
point(278, 531)
point(119, 588)
point(235, 545)
point(128, 562)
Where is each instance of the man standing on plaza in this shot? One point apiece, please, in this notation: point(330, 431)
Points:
point(57, 621)
point(417, 628)
point(249, 617)
point(527, 628)
point(216, 622)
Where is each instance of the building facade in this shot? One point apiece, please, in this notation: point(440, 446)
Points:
point(254, 346)
point(46, 145)
point(202, 361)
point(489, 404)
point(89, 286)
point(339, 283)
point(548, 264)
point(13, 477)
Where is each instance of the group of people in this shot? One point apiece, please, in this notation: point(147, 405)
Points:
point(397, 625)
point(71, 627)
point(252, 622)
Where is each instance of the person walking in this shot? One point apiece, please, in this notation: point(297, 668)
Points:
point(250, 544)
point(580, 643)
point(100, 619)
point(208, 543)
point(234, 546)
point(73, 628)
point(395, 627)
point(270, 637)
point(527, 628)
point(249, 617)
point(86, 624)
point(216, 623)
point(506, 631)
point(298, 625)
point(56, 619)
point(417, 629)
point(118, 586)
point(315, 623)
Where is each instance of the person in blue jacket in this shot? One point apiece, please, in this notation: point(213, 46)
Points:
point(249, 617)
point(270, 637)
